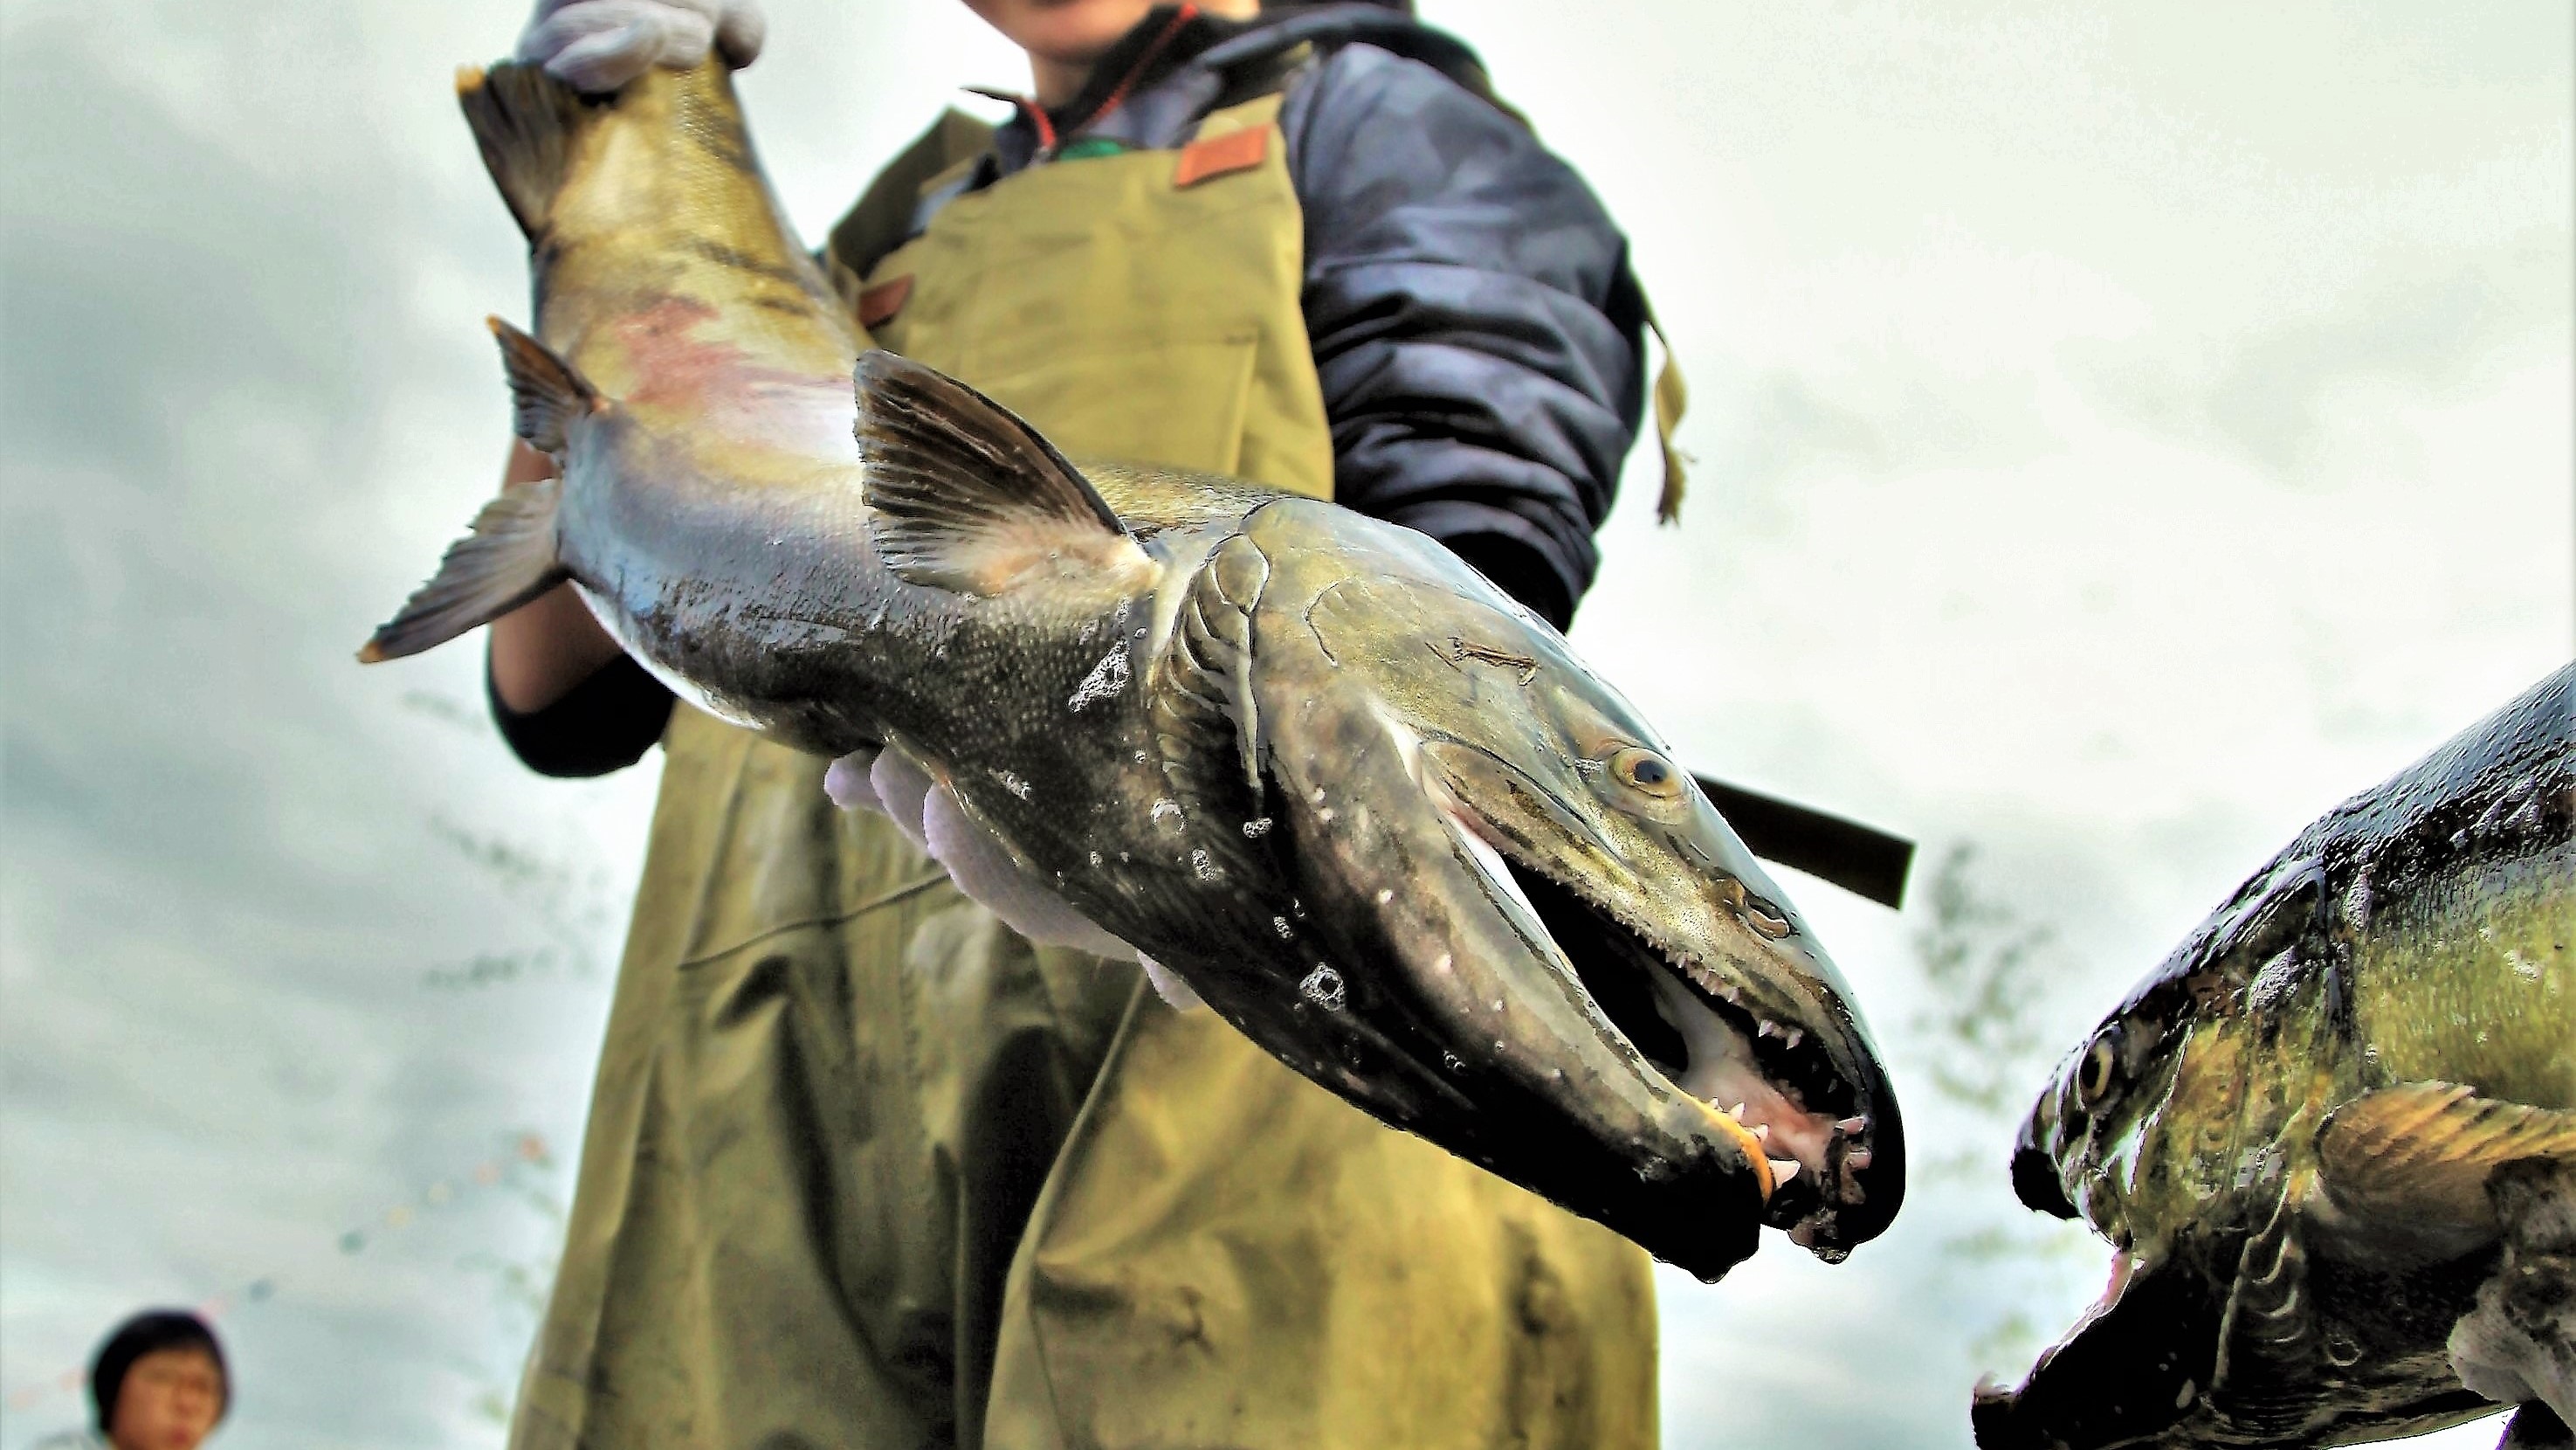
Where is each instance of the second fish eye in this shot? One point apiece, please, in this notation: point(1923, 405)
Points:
point(2101, 1066)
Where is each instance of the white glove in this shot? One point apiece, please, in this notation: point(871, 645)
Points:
point(600, 45)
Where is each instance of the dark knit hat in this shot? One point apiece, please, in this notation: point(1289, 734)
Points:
point(146, 1333)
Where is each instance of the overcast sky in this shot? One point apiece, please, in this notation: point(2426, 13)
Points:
point(2121, 435)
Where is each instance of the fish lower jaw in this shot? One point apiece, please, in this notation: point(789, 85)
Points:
point(2124, 1267)
point(1785, 1139)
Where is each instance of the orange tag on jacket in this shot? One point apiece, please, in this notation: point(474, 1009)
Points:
point(1221, 155)
point(879, 304)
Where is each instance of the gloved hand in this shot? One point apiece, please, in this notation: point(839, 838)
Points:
point(600, 45)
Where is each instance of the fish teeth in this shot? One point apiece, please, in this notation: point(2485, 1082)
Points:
point(1852, 1126)
point(1762, 1132)
point(1857, 1159)
point(1796, 1035)
point(1768, 1028)
point(1736, 1112)
point(1782, 1170)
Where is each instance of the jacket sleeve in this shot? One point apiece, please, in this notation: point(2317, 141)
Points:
point(1473, 320)
point(603, 724)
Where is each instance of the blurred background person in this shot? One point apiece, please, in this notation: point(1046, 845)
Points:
point(158, 1383)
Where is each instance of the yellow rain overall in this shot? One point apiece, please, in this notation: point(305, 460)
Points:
point(865, 1169)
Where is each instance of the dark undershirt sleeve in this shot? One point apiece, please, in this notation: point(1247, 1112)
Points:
point(603, 724)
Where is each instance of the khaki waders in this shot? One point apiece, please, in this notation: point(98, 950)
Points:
point(865, 1169)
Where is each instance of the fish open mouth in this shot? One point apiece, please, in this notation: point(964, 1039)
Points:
point(1707, 1036)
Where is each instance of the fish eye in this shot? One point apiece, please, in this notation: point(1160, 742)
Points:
point(1647, 771)
point(2101, 1066)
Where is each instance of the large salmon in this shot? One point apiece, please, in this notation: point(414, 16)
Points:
point(1360, 802)
point(2327, 1120)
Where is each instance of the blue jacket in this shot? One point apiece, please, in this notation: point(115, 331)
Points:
point(1469, 302)
point(1473, 319)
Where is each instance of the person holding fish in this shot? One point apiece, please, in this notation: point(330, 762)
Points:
point(864, 1167)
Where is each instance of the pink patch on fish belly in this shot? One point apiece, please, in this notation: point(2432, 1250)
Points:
point(715, 379)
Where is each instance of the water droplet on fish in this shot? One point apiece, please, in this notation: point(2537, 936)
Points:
point(1165, 807)
point(1451, 1060)
point(1107, 678)
point(1442, 965)
point(1257, 829)
point(2184, 1396)
point(1280, 925)
point(1095, 858)
point(1324, 987)
point(1204, 866)
point(1140, 757)
point(1012, 783)
point(1498, 1045)
point(1385, 896)
point(1325, 815)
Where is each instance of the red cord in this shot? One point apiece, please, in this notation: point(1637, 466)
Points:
point(1047, 137)
point(1118, 95)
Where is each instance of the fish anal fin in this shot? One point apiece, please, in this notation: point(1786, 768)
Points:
point(509, 558)
point(964, 496)
point(547, 396)
point(2420, 1154)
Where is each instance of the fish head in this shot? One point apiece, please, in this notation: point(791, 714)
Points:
point(1546, 915)
point(2178, 1109)
point(2174, 1130)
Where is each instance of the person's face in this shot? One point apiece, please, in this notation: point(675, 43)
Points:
point(1076, 32)
point(169, 1401)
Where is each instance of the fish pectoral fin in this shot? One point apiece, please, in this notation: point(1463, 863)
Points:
point(507, 559)
point(964, 496)
point(2421, 1153)
point(1204, 708)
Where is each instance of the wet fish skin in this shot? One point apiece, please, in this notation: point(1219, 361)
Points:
point(1310, 762)
point(2268, 1132)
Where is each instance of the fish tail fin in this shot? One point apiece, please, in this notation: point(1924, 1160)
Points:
point(547, 396)
point(508, 558)
point(523, 120)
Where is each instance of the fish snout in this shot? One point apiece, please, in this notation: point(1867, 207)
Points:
point(2036, 1184)
point(1694, 963)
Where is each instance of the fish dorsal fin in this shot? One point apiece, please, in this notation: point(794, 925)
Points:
point(2420, 1153)
point(964, 496)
